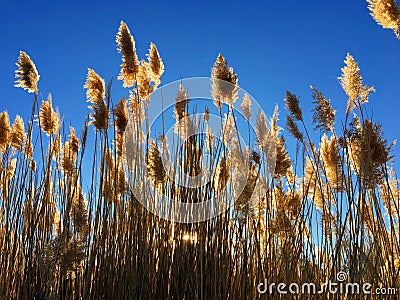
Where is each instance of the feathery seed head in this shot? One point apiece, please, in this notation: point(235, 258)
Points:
point(332, 160)
point(79, 214)
point(95, 95)
point(351, 79)
point(181, 101)
point(144, 88)
point(155, 165)
point(130, 63)
point(136, 108)
point(243, 202)
point(26, 74)
point(224, 83)
point(56, 147)
point(119, 145)
point(283, 162)
point(109, 160)
point(369, 152)
point(390, 193)
point(17, 133)
point(275, 129)
point(108, 171)
point(68, 159)
point(228, 129)
point(352, 84)
point(293, 129)
point(262, 130)
point(246, 107)
point(292, 105)
point(73, 140)
point(121, 180)
point(121, 116)
point(156, 64)
point(386, 13)
point(222, 174)
point(185, 127)
point(11, 167)
point(28, 147)
point(310, 176)
point(48, 118)
point(323, 113)
point(5, 129)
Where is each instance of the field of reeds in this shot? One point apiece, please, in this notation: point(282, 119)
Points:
point(75, 220)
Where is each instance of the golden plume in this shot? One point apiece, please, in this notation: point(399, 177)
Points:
point(181, 101)
point(293, 129)
point(283, 162)
point(79, 213)
point(108, 171)
point(352, 84)
point(332, 160)
point(324, 114)
point(155, 165)
point(26, 74)
point(275, 129)
point(17, 133)
point(73, 140)
point(245, 106)
point(48, 119)
point(95, 95)
point(262, 132)
point(222, 174)
point(292, 105)
point(224, 83)
point(28, 147)
point(5, 130)
point(126, 46)
point(68, 159)
point(121, 122)
point(369, 152)
point(156, 64)
point(386, 13)
point(56, 147)
point(121, 116)
point(144, 88)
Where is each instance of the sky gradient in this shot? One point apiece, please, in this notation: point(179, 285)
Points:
point(272, 45)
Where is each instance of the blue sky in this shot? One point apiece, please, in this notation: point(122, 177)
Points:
point(272, 45)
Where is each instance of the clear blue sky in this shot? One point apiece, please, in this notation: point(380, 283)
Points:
point(272, 45)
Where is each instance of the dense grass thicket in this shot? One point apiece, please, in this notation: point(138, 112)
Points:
point(333, 206)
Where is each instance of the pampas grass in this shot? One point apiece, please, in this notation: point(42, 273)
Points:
point(332, 206)
point(26, 74)
point(126, 46)
point(386, 13)
point(95, 94)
